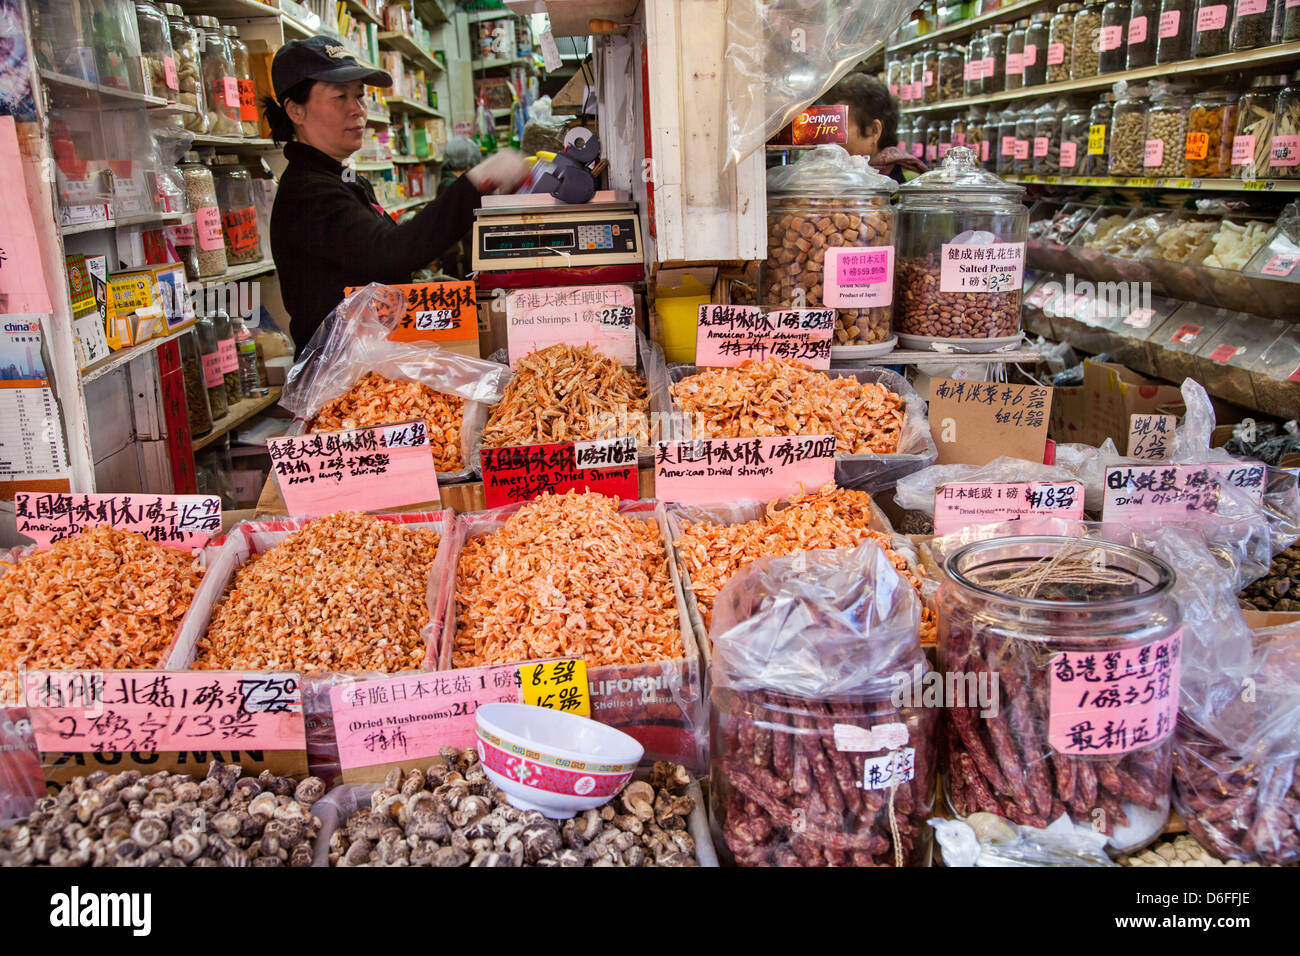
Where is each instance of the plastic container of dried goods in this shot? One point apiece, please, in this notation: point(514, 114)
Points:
point(196, 392)
point(1167, 254)
point(1166, 134)
point(1291, 22)
point(1130, 346)
point(1276, 376)
point(201, 194)
point(110, 28)
point(1092, 245)
point(1023, 163)
point(1037, 36)
point(244, 74)
point(1112, 42)
point(1225, 360)
point(973, 76)
point(189, 72)
point(1221, 258)
point(1040, 291)
point(1211, 124)
point(1052, 250)
point(1284, 156)
point(1073, 154)
point(1143, 31)
point(1128, 132)
point(1252, 24)
point(212, 363)
point(957, 130)
point(1006, 142)
point(1097, 161)
point(975, 125)
point(220, 84)
point(893, 73)
point(1256, 124)
point(1060, 43)
point(995, 59)
point(1174, 345)
point(1014, 69)
point(229, 350)
point(961, 251)
point(1076, 316)
point(918, 78)
point(238, 210)
point(1213, 29)
point(952, 66)
point(831, 235)
point(1274, 270)
point(1174, 30)
point(1052, 746)
point(1087, 40)
point(930, 76)
point(1046, 152)
point(1125, 243)
point(156, 52)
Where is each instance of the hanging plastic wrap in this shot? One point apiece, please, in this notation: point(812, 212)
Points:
point(781, 55)
point(983, 839)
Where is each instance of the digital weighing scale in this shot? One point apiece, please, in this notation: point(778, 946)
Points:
point(524, 246)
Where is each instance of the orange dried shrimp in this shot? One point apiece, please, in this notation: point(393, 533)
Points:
point(376, 400)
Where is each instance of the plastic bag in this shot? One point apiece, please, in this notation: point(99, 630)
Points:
point(542, 132)
point(353, 341)
point(915, 492)
point(1000, 842)
point(781, 55)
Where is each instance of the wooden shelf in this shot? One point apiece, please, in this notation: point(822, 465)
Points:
point(400, 104)
point(1016, 11)
point(115, 360)
point(237, 414)
point(431, 11)
point(159, 218)
point(416, 160)
point(372, 167)
point(231, 9)
point(109, 97)
point(1208, 185)
point(379, 118)
point(363, 12)
point(407, 46)
point(914, 357)
point(498, 14)
point(495, 64)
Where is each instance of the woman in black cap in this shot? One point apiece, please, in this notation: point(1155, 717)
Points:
point(327, 230)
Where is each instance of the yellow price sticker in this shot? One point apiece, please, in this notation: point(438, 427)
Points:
point(1096, 140)
point(557, 685)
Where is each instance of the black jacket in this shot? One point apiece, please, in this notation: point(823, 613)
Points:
point(328, 233)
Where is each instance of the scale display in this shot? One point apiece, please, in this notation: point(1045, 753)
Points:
point(553, 241)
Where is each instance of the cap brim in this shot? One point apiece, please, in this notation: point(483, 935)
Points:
point(347, 74)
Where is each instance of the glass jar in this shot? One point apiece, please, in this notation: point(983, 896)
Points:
point(932, 133)
point(1177, 24)
point(973, 81)
point(958, 131)
point(1166, 135)
point(1061, 660)
point(189, 74)
point(945, 137)
point(1284, 157)
point(1024, 158)
point(952, 67)
point(244, 75)
point(990, 147)
point(930, 94)
point(1015, 62)
point(156, 53)
point(1143, 29)
point(214, 380)
point(1060, 43)
point(229, 349)
point(1291, 22)
point(920, 131)
point(995, 59)
point(1252, 145)
point(905, 134)
point(250, 381)
point(201, 196)
point(748, 775)
point(1087, 37)
point(1006, 162)
point(892, 74)
point(1252, 24)
point(1212, 31)
point(961, 248)
point(196, 392)
point(1035, 55)
point(1048, 120)
point(828, 219)
point(1074, 142)
point(220, 84)
point(975, 134)
point(1211, 124)
point(1128, 134)
point(1112, 45)
point(238, 210)
point(1099, 122)
point(918, 79)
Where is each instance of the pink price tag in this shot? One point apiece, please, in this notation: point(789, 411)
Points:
point(1112, 702)
point(931, 152)
point(1041, 145)
point(149, 712)
point(1154, 154)
point(1282, 264)
point(970, 267)
point(169, 73)
point(984, 150)
point(1146, 496)
point(1243, 149)
point(918, 150)
point(1285, 151)
point(384, 466)
point(602, 316)
point(723, 470)
point(1008, 146)
point(961, 504)
point(181, 235)
point(1069, 155)
point(1022, 149)
point(1211, 18)
point(727, 335)
point(1249, 8)
point(1055, 54)
point(987, 69)
point(229, 356)
point(230, 92)
point(207, 221)
point(1137, 30)
point(859, 278)
point(410, 717)
point(213, 371)
point(1111, 38)
point(929, 77)
point(1015, 64)
point(185, 522)
point(1030, 55)
point(1169, 22)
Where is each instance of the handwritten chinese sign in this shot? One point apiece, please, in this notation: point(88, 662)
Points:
point(1149, 436)
point(975, 422)
point(557, 685)
point(987, 267)
point(145, 712)
point(960, 504)
point(435, 312)
point(717, 470)
point(602, 316)
point(523, 472)
point(1110, 702)
point(384, 466)
point(181, 521)
point(730, 334)
point(1151, 495)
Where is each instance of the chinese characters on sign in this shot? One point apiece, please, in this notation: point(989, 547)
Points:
point(1159, 493)
point(975, 422)
point(717, 470)
point(859, 278)
point(182, 521)
point(602, 316)
point(523, 472)
point(730, 334)
point(1107, 702)
point(435, 312)
point(557, 685)
point(1149, 436)
point(960, 504)
point(991, 267)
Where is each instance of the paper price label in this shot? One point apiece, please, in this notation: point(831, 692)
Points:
point(1137, 30)
point(1149, 436)
point(1145, 496)
point(727, 335)
point(891, 770)
point(992, 267)
point(435, 321)
point(1097, 140)
point(1169, 22)
point(1187, 334)
point(859, 278)
point(717, 470)
point(1198, 146)
point(432, 312)
point(958, 505)
point(1154, 152)
point(557, 685)
point(1211, 18)
point(1280, 265)
point(572, 315)
point(975, 422)
point(605, 453)
point(1225, 353)
point(185, 522)
point(617, 317)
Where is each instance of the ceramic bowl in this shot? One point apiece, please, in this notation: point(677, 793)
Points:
point(557, 763)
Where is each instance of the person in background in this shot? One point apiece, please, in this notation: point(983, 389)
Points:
point(873, 124)
point(458, 156)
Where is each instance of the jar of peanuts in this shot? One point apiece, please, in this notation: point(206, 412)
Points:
point(961, 258)
point(830, 242)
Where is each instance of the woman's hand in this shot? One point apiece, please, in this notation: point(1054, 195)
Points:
point(500, 173)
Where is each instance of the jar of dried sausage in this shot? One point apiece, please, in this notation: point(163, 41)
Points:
point(952, 66)
point(1082, 640)
point(244, 75)
point(1015, 63)
point(930, 76)
point(1212, 31)
point(1074, 142)
point(995, 59)
point(1128, 128)
point(1087, 39)
point(196, 393)
point(238, 210)
point(1143, 28)
point(186, 43)
point(1284, 158)
point(1112, 41)
point(961, 250)
point(1035, 55)
point(1060, 43)
point(830, 240)
point(1211, 124)
point(1097, 162)
point(220, 83)
point(1252, 145)
point(1177, 24)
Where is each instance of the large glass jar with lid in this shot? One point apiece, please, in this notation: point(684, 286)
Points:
point(975, 50)
point(952, 66)
point(1174, 32)
point(1037, 36)
point(1113, 39)
point(156, 53)
point(905, 133)
point(186, 45)
point(1166, 133)
point(1211, 124)
point(229, 350)
point(975, 132)
point(1048, 120)
point(1060, 42)
point(920, 131)
point(244, 76)
point(1213, 28)
point(995, 59)
point(961, 256)
point(196, 393)
point(238, 210)
point(1015, 63)
point(918, 78)
point(1128, 127)
point(930, 76)
point(1284, 158)
point(1026, 121)
point(958, 137)
point(1252, 146)
point(892, 73)
point(211, 360)
point(1074, 141)
point(201, 196)
point(1087, 40)
point(830, 239)
point(1143, 29)
point(1252, 24)
point(220, 84)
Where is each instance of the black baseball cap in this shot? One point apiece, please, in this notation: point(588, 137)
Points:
point(319, 58)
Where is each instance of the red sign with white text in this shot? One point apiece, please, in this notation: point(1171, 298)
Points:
point(523, 472)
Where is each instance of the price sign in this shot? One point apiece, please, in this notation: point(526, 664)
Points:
point(435, 312)
point(717, 470)
point(981, 267)
point(1280, 265)
point(958, 505)
point(728, 335)
point(185, 522)
point(384, 466)
point(1186, 334)
point(523, 472)
point(975, 422)
point(1149, 436)
point(602, 316)
point(1145, 496)
point(557, 685)
point(605, 453)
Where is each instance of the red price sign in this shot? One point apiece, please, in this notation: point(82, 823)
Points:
point(523, 472)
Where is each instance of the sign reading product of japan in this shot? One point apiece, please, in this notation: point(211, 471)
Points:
point(382, 466)
point(519, 473)
point(150, 712)
point(718, 470)
point(602, 316)
point(180, 521)
point(820, 124)
point(859, 278)
point(1150, 495)
point(960, 504)
point(730, 334)
point(975, 422)
point(443, 312)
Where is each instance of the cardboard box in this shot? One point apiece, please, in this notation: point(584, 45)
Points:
point(134, 310)
point(1100, 408)
point(169, 290)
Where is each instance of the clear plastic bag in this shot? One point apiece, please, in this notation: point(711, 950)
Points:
point(915, 492)
point(984, 839)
